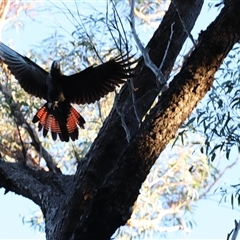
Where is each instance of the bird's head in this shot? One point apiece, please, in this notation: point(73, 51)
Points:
point(55, 69)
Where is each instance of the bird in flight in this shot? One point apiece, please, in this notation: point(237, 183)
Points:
point(57, 115)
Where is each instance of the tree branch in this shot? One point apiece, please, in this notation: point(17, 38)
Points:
point(235, 231)
point(38, 186)
point(21, 121)
point(145, 51)
point(183, 24)
point(92, 194)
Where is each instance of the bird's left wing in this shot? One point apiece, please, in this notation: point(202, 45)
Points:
point(93, 83)
point(30, 76)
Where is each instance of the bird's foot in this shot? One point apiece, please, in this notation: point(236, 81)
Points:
point(53, 105)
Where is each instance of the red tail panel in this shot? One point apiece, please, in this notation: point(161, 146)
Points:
point(42, 114)
point(61, 120)
point(55, 126)
point(74, 119)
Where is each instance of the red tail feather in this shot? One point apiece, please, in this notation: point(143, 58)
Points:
point(61, 120)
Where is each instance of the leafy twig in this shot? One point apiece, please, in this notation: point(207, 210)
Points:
point(145, 51)
point(234, 231)
point(183, 24)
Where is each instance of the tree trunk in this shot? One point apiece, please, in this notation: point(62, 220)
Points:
point(98, 199)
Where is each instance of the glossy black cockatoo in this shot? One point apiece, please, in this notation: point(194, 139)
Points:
point(57, 114)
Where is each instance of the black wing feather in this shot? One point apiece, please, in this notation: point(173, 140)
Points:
point(30, 76)
point(93, 83)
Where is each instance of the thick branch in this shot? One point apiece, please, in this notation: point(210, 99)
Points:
point(46, 189)
point(93, 173)
point(112, 134)
point(105, 205)
point(175, 105)
point(38, 186)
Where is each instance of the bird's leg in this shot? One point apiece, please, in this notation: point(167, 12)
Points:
point(53, 105)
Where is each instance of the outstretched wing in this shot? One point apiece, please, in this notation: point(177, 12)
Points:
point(94, 82)
point(30, 76)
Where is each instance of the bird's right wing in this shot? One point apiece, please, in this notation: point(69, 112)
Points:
point(30, 76)
point(93, 83)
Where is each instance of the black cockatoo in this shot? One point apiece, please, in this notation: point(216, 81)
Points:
point(57, 115)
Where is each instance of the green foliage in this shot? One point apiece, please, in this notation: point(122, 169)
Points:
point(230, 193)
point(35, 220)
point(217, 117)
point(180, 177)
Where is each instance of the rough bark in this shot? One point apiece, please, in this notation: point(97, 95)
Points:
point(98, 199)
point(38, 186)
point(105, 153)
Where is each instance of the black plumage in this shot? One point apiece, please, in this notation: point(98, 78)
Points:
point(59, 90)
